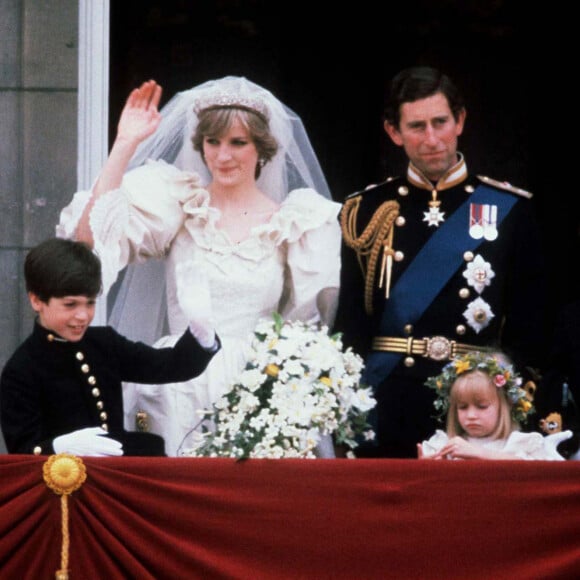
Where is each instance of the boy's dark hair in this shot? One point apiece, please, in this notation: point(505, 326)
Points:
point(57, 267)
point(416, 83)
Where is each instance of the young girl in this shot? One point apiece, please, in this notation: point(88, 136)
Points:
point(481, 395)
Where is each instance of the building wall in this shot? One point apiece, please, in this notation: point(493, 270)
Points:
point(38, 142)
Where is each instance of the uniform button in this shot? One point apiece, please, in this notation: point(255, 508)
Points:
point(408, 328)
point(100, 405)
point(464, 293)
point(469, 188)
point(468, 256)
point(37, 450)
point(409, 361)
point(92, 380)
point(103, 416)
point(85, 368)
point(95, 392)
point(80, 356)
point(399, 256)
point(403, 190)
point(460, 329)
point(105, 427)
point(400, 221)
point(50, 337)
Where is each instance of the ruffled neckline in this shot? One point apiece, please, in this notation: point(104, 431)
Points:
point(302, 210)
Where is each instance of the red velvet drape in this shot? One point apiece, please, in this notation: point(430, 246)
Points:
point(168, 518)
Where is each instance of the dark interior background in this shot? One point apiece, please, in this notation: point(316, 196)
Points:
point(331, 64)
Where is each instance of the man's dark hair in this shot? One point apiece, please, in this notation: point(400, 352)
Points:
point(416, 83)
point(57, 267)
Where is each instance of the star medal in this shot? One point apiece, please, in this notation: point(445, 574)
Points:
point(434, 216)
point(478, 314)
point(478, 274)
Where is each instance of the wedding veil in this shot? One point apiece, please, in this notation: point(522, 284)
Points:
point(294, 165)
point(137, 300)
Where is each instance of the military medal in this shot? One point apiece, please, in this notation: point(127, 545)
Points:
point(483, 221)
point(478, 314)
point(476, 221)
point(490, 222)
point(478, 274)
point(434, 216)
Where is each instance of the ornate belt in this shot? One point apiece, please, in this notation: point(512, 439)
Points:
point(435, 347)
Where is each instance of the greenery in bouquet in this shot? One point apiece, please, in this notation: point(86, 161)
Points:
point(299, 384)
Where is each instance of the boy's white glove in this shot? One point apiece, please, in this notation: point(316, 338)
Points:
point(88, 441)
point(194, 299)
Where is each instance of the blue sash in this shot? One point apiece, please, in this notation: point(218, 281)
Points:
point(441, 257)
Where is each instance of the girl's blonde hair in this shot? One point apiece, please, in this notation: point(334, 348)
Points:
point(477, 384)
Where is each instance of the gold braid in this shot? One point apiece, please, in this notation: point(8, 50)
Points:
point(369, 244)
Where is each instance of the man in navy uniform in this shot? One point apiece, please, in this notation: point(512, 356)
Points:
point(437, 262)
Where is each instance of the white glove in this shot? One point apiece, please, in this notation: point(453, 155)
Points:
point(87, 441)
point(194, 299)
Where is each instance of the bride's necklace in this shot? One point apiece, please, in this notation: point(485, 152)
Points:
point(254, 208)
point(243, 212)
point(251, 206)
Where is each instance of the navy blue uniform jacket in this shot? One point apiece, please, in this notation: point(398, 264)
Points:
point(516, 296)
point(50, 387)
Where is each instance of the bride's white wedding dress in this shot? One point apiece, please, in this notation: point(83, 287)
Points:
point(290, 264)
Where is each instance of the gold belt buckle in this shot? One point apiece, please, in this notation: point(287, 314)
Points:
point(438, 348)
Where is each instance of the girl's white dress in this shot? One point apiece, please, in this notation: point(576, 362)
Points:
point(290, 265)
point(522, 445)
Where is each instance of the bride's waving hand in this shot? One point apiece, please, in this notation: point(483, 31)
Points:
point(139, 120)
point(140, 117)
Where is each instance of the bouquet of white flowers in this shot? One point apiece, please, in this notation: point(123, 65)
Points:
point(298, 385)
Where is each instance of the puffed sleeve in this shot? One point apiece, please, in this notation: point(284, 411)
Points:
point(137, 221)
point(313, 237)
point(536, 446)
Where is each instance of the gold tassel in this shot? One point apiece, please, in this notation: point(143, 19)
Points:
point(64, 474)
point(387, 264)
point(377, 235)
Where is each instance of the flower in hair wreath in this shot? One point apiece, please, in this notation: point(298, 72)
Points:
point(298, 385)
point(501, 372)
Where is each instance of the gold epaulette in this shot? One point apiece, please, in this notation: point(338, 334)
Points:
point(505, 186)
point(377, 236)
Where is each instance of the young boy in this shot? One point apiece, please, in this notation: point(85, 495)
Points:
point(61, 390)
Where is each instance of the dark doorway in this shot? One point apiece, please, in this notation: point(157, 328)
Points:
point(330, 65)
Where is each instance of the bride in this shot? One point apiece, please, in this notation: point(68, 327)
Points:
point(223, 179)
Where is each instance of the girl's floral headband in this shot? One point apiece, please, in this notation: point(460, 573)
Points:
point(502, 374)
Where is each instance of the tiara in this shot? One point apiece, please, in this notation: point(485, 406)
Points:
point(502, 375)
point(220, 98)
